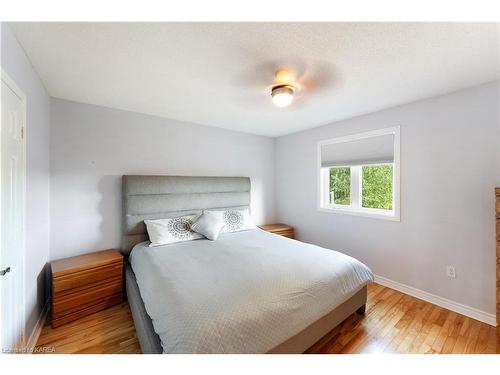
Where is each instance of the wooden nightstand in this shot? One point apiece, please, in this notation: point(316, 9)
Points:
point(281, 229)
point(85, 284)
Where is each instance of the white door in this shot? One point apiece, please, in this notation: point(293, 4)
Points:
point(12, 195)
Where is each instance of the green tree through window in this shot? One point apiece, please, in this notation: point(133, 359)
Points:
point(377, 186)
point(340, 185)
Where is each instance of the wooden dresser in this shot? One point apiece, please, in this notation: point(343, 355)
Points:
point(281, 229)
point(85, 284)
point(497, 206)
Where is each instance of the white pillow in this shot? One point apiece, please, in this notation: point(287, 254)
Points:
point(235, 220)
point(209, 224)
point(177, 229)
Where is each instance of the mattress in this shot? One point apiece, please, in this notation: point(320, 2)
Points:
point(247, 292)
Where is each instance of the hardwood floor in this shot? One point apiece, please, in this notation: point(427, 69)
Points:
point(109, 331)
point(394, 323)
point(397, 323)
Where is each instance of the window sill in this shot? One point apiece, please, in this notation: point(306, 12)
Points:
point(364, 213)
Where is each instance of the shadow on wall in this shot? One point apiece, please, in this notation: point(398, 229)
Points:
point(43, 293)
point(108, 236)
point(110, 212)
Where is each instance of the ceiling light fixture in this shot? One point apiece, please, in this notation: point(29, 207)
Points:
point(282, 95)
point(284, 87)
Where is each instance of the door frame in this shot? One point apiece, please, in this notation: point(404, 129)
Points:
point(22, 257)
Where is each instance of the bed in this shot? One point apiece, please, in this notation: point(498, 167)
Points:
point(247, 292)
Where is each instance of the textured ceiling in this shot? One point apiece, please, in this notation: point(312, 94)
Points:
point(218, 73)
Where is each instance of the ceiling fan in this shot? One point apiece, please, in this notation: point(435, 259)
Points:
point(284, 83)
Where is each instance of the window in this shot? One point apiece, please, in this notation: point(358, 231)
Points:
point(340, 185)
point(359, 174)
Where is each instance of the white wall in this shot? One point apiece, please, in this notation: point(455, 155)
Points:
point(450, 163)
point(19, 68)
point(92, 147)
point(449, 167)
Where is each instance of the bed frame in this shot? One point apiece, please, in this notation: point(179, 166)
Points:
point(154, 197)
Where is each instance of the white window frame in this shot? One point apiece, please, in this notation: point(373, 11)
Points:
point(356, 180)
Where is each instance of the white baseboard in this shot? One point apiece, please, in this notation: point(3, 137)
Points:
point(471, 312)
point(37, 329)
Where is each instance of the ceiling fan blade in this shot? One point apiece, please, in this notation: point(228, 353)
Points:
point(262, 75)
point(255, 77)
point(321, 76)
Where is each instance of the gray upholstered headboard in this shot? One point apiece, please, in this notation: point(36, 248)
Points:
point(156, 197)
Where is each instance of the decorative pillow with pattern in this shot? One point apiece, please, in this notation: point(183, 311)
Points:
point(235, 220)
point(166, 231)
point(210, 224)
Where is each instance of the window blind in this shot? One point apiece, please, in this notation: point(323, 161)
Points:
point(372, 150)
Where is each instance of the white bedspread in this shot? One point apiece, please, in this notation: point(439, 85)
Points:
point(244, 293)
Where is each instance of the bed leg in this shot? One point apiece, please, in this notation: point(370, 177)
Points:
point(361, 310)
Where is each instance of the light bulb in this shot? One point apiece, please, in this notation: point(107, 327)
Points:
point(282, 95)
